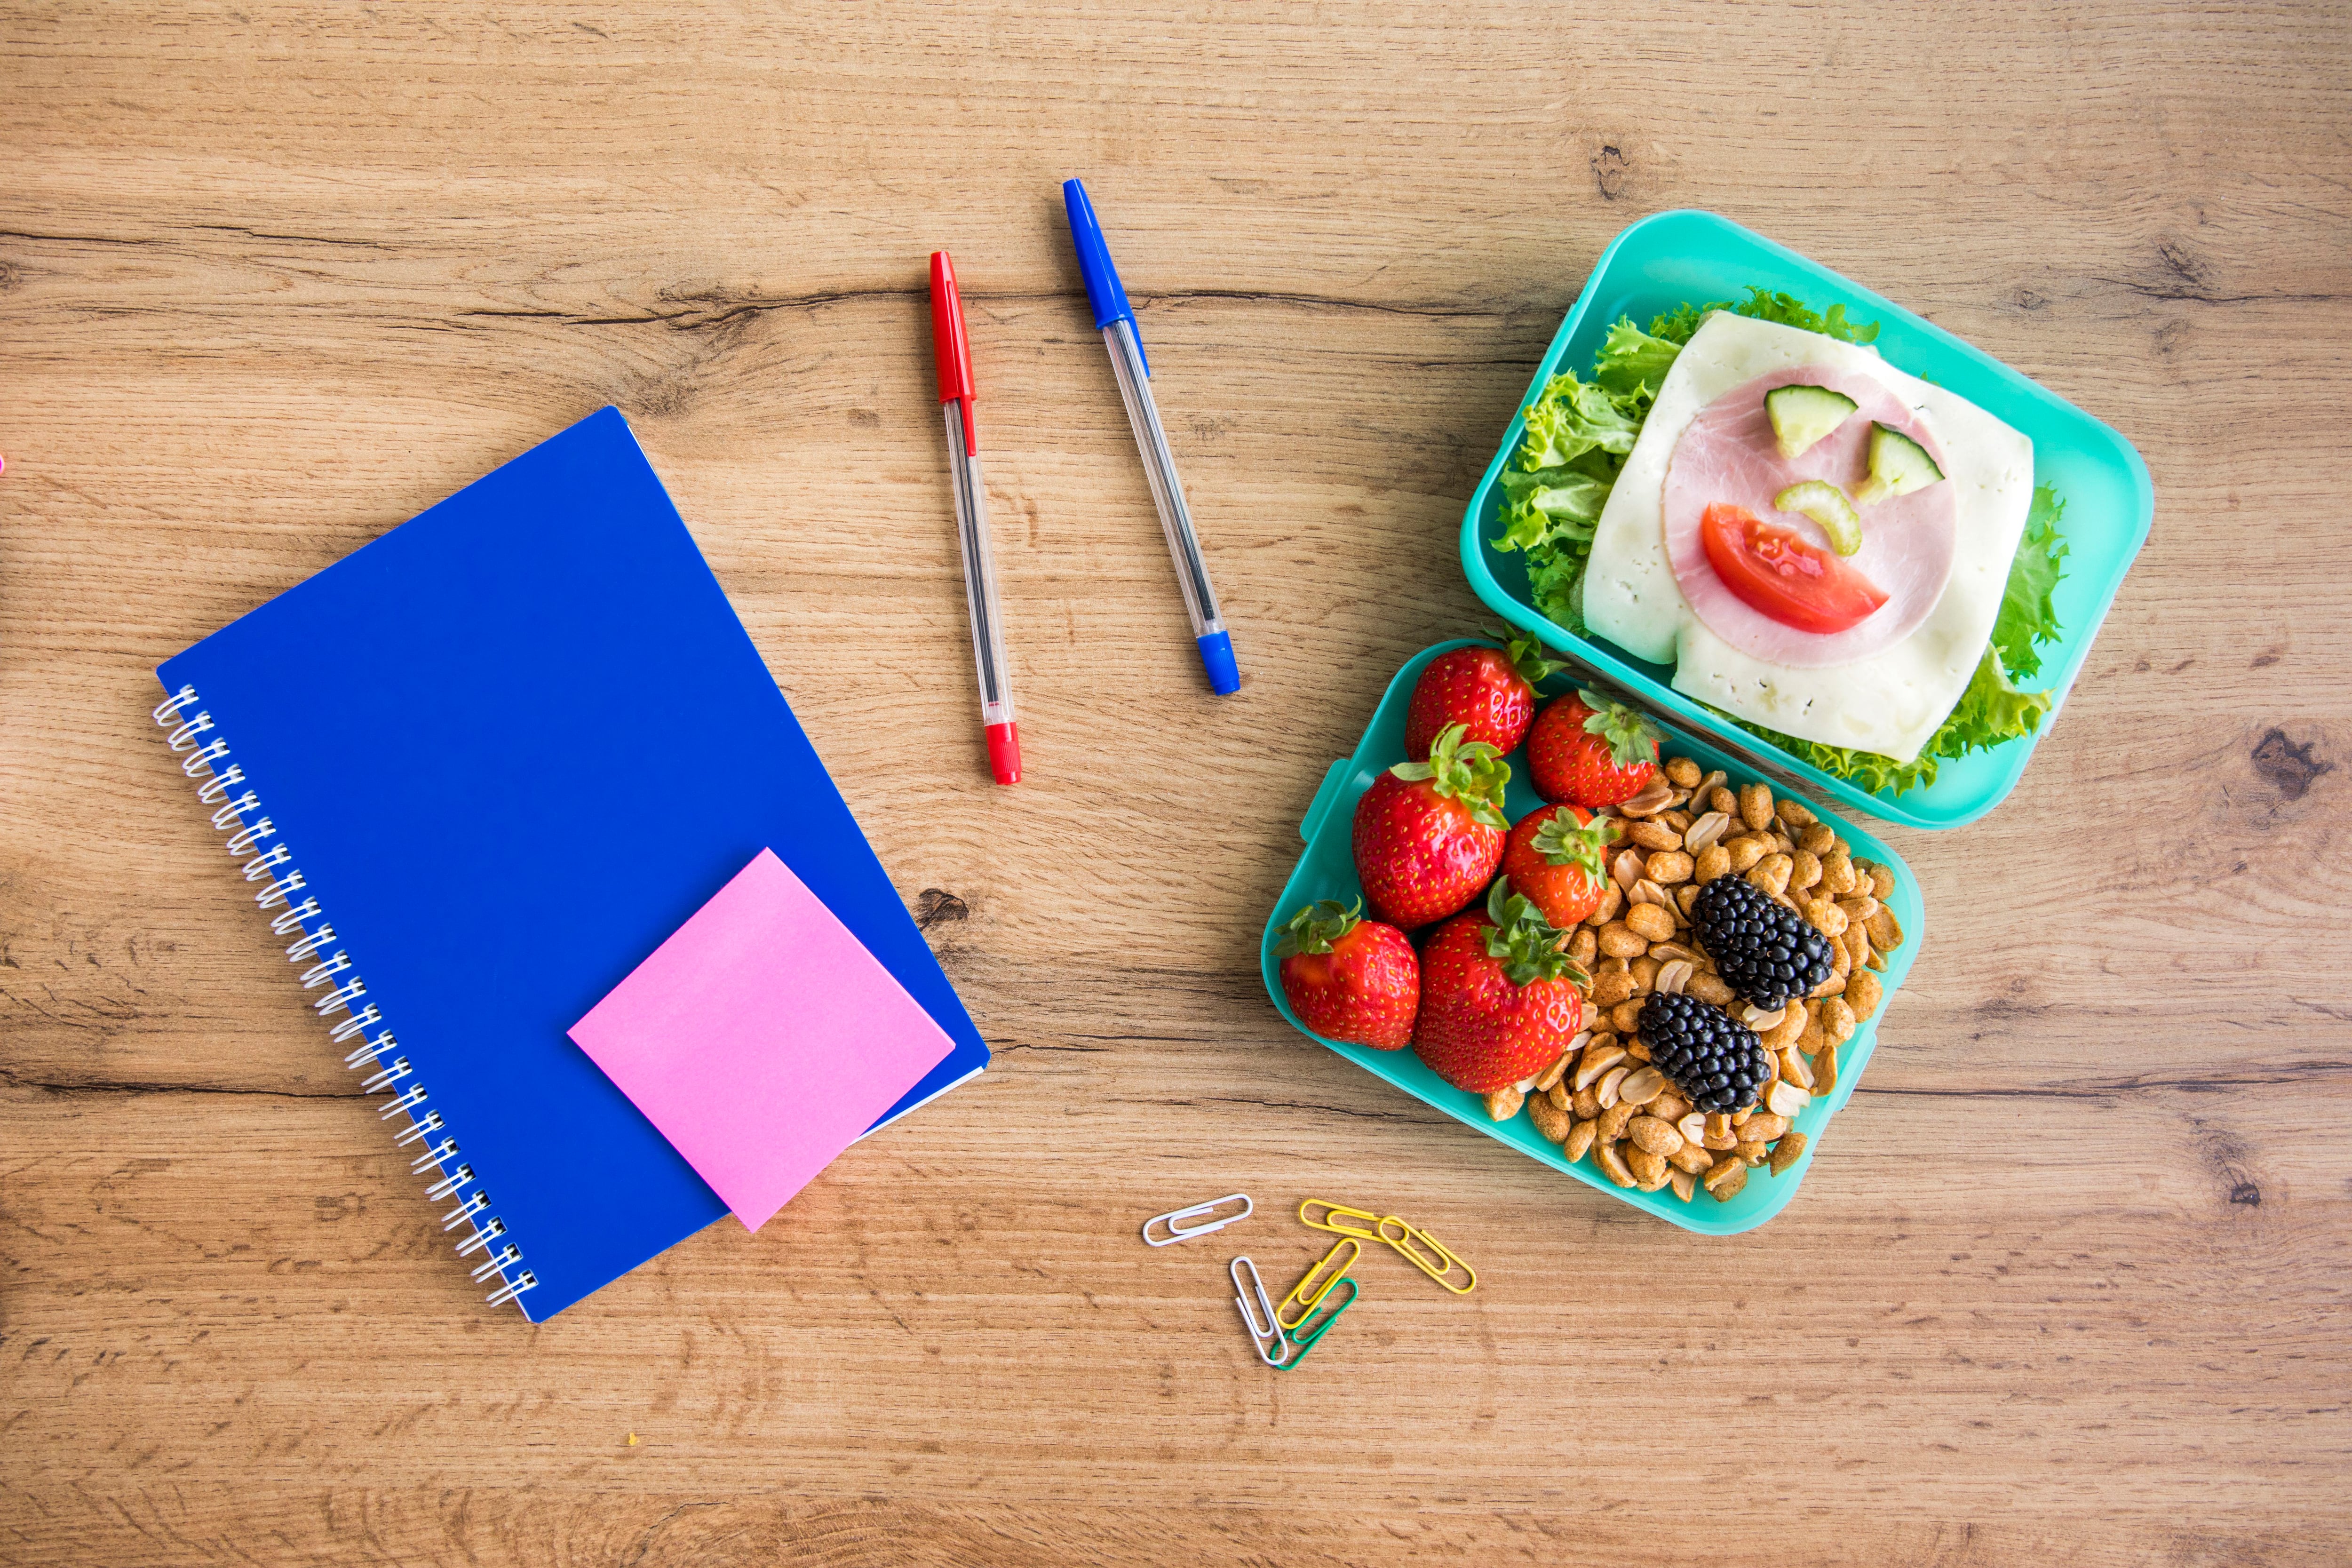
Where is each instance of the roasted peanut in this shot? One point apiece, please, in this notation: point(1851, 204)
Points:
point(1825, 1069)
point(1618, 941)
point(1504, 1103)
point(1881, 883)
point(1626, 1017)
point(1724, 1181)
point(1796, 814)
point(1806, 873)
point(1771, 873)
point(1713, 861)
point(1837, 877)
point(1642, 1087)
point(1647, 921)
point(1708, 987)
point(1670, 1106)
point(1612, 1121)
point(1746, 849)
point(1607, 1088)
point(1818, 839)
point(1612, 987)
point(1785, 1152)
point(1612, 1164)
point(1550, 1120)
point(1863, 993)
point(1690, 1157)
point(1756, 806)
point(1684, 772)
point(1590, 1069)
point(1683, 1182)
point(1583, 947)
point(1654, 836)
point(1579, 1142)
point(1764, 1128)
point(1668, 866)
point(1550, 1077)
point(1612, 898)
point(1657, 1137)
point(1723, 800)
point(1585, 1105)
point(1644, 971)
point(1837, 1020)
point(1824, 916)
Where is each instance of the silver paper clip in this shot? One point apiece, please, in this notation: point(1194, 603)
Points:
point(1271, 1333)
point(1177, 1233)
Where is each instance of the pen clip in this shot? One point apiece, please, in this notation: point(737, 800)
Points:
point(1105, 292)
point(951, 344)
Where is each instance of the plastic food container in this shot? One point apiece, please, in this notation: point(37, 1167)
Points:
point(1327, 870)
point(1678, 257)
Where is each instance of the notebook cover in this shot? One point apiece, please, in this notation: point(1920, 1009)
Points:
point(512, 745)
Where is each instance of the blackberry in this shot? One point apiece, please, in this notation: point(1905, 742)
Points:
point(1714, 1058)
point(1763, 950)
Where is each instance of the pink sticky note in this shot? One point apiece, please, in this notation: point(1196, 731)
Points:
point(761, 1038)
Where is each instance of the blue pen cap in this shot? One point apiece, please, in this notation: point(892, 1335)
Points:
point(1104, 291)
point(1217, 659)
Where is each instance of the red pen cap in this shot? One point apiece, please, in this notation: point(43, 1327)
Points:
point(950, 343)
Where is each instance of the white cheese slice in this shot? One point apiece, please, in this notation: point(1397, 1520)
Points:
point(1891, 702)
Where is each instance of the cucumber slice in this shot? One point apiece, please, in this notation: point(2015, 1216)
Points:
point(1802, 413)
point(1825, 504)
point(1898, 464)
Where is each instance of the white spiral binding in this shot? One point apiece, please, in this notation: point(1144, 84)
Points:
point(201, 749)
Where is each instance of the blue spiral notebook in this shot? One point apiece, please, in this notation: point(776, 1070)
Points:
point(475, 773)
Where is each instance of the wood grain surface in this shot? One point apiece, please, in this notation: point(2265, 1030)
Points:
point(2069, 1286)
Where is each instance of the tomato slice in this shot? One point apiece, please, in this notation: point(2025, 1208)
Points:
point(1777, 572)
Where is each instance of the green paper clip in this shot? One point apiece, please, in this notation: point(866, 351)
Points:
point(1316, 1324)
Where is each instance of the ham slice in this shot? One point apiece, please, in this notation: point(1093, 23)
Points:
point(1727, 454)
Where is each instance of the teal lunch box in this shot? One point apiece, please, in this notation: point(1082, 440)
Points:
point(1327, 870)
point(1676, 257)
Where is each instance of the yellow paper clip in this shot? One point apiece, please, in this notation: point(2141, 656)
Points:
point(1309, 1292)
point(1440, 1268)
point(1331, 1219)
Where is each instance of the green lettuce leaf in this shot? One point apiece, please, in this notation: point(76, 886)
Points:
point(1989, 711)
point(2027, 615)
point(1572, 418)
point(1550, 506)
point(1632, 364)
point(1677, 325)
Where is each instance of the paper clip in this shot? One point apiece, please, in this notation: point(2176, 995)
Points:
point(1440, 1268)
point(1177, 1233)
point(1272, 1333)
point(1319, 1280)
point(1331, 1219)
point(1311, 1329)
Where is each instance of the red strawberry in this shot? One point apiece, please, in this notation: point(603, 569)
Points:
point(1499, 999)
point(1429, 835)
point(1556, 856)
point(1490, 692)
point(1351, 979)
point(1589, 750)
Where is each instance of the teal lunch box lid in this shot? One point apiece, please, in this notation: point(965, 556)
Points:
point(1327, 870)
point(1676, 257)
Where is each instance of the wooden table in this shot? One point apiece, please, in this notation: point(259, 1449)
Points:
point(2067, 1286)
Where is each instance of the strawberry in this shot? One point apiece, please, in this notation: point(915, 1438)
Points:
point(1556, 856)
point(1589, 750)
point(1429, 835)
point(1351, 979)
point(1490, 692)
point(1499, 999)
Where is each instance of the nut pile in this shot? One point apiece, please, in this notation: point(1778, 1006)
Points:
point(1603, 1097)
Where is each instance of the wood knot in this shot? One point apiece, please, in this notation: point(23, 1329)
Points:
point(1608, 167)
point(2289, 768)
point(2246, 1193)
point(936, 906)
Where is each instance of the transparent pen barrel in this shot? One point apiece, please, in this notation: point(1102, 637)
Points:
point(978, 575)
point(1159, 468)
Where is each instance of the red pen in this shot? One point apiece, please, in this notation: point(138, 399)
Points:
point(952, 349)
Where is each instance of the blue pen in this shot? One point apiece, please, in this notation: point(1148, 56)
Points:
point(1116, 319)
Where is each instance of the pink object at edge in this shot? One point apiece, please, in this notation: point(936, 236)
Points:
point(761, 1038)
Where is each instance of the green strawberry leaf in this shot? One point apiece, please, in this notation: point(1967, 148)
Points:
point(1315, 928)
point(1530, 947)
point(1563, 842)
point(1526, 652)
point(1632, 737)
point(1474, 774)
